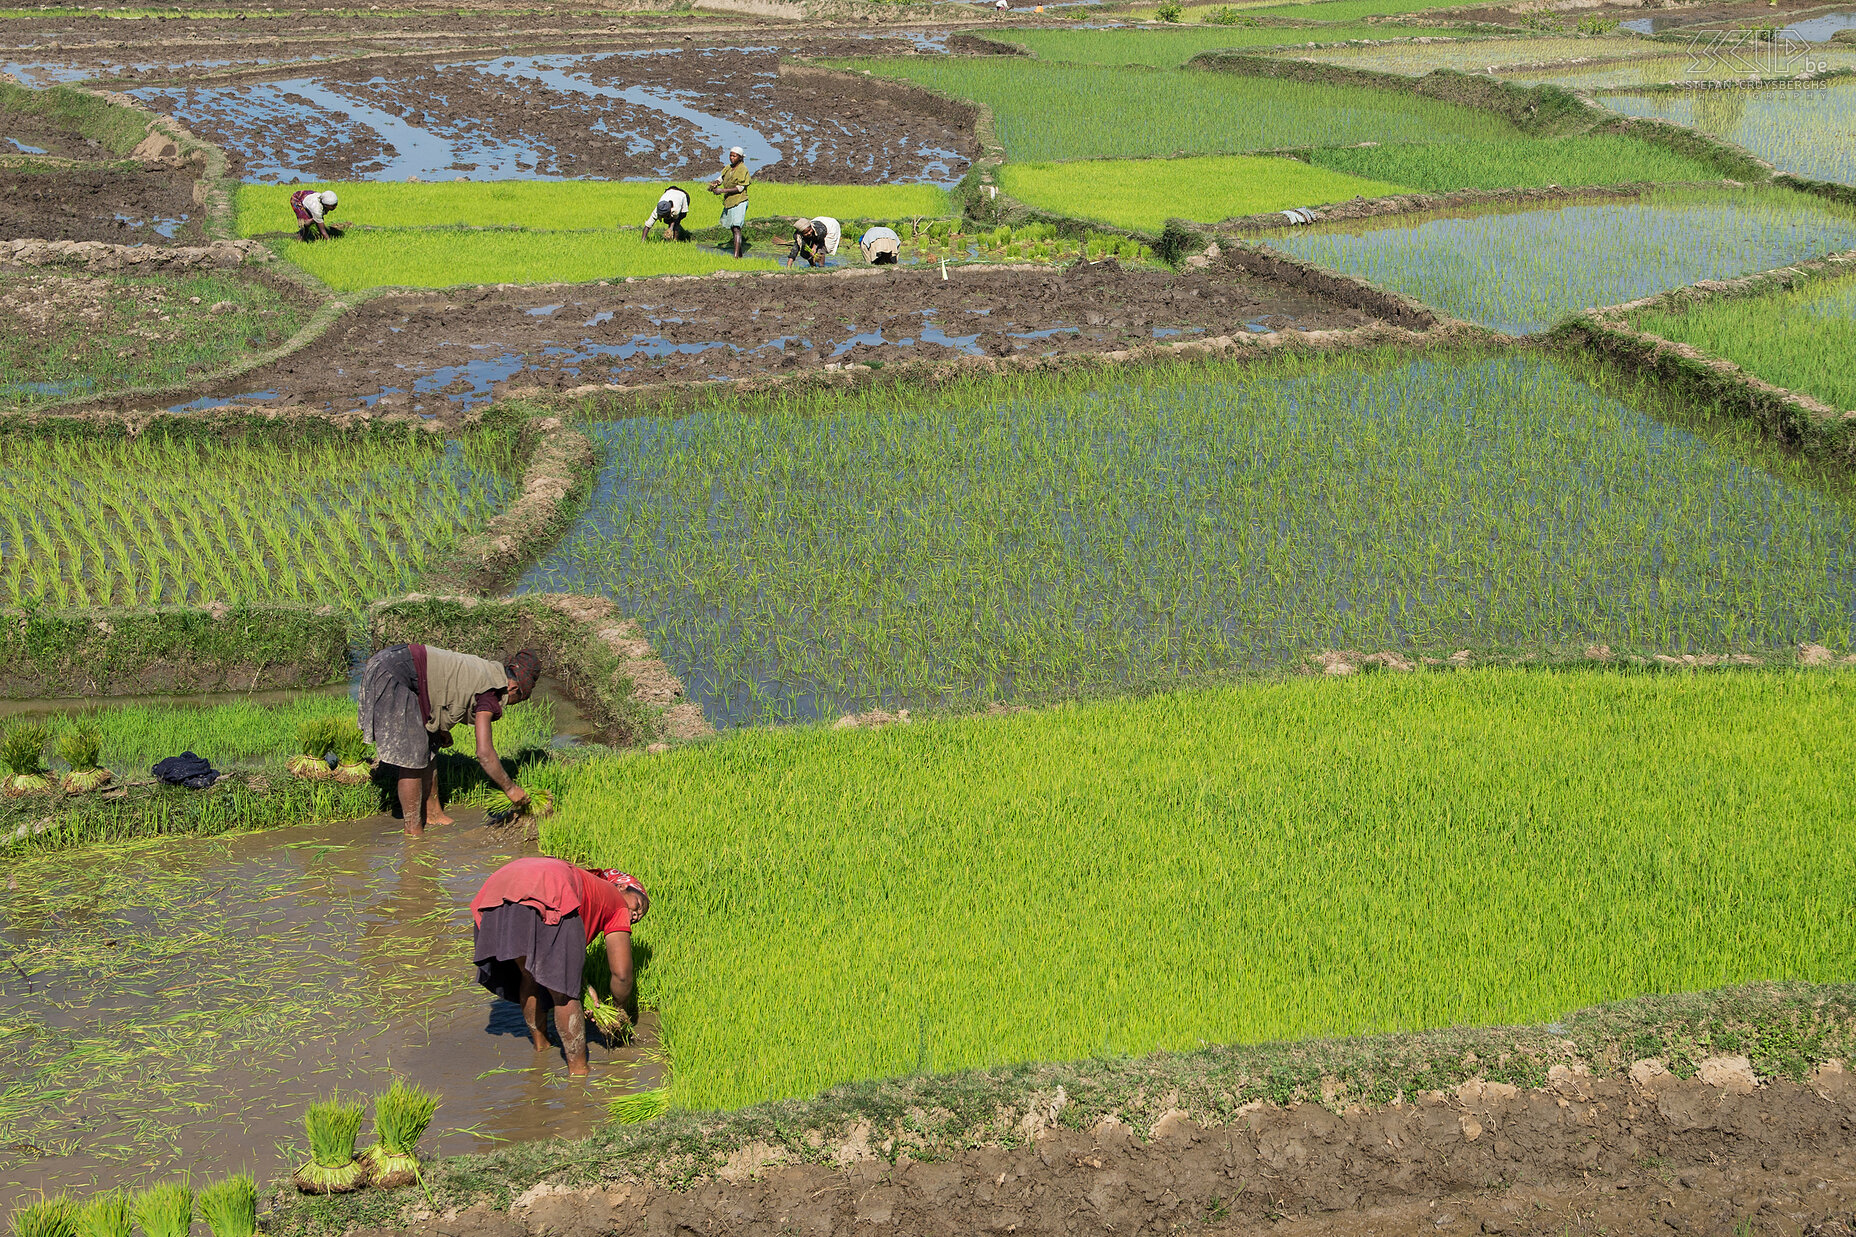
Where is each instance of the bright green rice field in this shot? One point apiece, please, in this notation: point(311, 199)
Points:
point(1801, 339)
point(1171, 46)
point(1205, 189)
point(1307, 858)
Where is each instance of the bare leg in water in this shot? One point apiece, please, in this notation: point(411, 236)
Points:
point(434, 811)
point(410, 787)
point(569, 1020)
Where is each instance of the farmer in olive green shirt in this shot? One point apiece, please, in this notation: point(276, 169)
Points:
point(732, 184)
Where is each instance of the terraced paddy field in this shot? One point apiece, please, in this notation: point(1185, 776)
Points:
point(1165, 47)
point(1043, 537)
point(1521, 271)
point(1809, 130)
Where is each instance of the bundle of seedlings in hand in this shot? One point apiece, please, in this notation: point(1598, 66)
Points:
point(609, 1019)
point(401, 1115)
point(351, 767)
point(315, 739)
point(230, 1207)
point(106, 1215)
point(165, 1210)
point(23, 751)
point(81, 747)
point(49, 1217)
point(540, 804)
point(332, 1168)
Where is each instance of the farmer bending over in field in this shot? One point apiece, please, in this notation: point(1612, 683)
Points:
point(411, 697)
point(881, 246)
point(535, 918)
point(309, 205)
point(814, 239)
point(671, 210)
point(733, 184)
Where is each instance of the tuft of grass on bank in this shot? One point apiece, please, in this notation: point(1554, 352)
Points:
point(1058, 111)
point(448, 257)
point(1588, 159)
point(63, 336)
point(160, 519)
point(1311, 857)
point(1205, 189)
point(1800, 338)
point(575, 205)
point(116, 128)
point(1170, 47)
point(1085, 533)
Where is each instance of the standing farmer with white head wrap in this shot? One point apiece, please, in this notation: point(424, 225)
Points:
point(732, 185)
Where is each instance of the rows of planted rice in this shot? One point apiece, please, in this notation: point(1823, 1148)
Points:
point(1306, 858)
point(1801, 339)
point(1207, 188)
point(1807, 130)
point(1481, 55)
point(1520, 271)
point(1587, 159)
point(1169, 47)
point(158, 519)
point(1039, 536)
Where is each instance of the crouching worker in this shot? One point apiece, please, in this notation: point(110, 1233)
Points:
point(535, 918)
point(881, 246)
point(310, 206)
point(814, 240)
point(411, 697)
point(671, 210)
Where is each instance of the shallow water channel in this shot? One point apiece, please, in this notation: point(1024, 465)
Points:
point(171, 1005)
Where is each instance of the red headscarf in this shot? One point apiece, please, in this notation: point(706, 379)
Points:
point(624, 880)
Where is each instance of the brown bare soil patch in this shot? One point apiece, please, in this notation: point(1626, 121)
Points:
point(99, 204)
point(442, 353)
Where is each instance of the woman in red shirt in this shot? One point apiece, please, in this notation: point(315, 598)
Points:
point(535, 918)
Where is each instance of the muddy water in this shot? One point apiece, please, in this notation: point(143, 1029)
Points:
point(171, 1006)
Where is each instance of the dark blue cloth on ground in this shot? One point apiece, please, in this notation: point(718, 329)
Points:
point(186, 769)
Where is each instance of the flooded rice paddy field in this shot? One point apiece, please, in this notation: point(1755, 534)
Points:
point(1805, 129)
point(445, 352)
point(127, 206)
point(639, 113)
point(1521, 271)
point(171, 1006)
point(1018, 538)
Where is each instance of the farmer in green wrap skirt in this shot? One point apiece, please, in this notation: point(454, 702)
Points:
point(411, 697)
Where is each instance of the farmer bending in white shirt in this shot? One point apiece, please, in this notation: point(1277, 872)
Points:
point(813, 239)
point(671, 210)
point(881, 246)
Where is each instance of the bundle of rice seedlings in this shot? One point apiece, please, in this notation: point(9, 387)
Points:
point(230, 1207)
point(540, 804)
point(332, 1168)
point(49, 1217)
point(23, 751)
point(351, 767)
point(610, 1020)
point(106, 1215)
point(81, 747)
point(165, 1210)
point(315, 738)
point(401, 1115)
point(641, 1106)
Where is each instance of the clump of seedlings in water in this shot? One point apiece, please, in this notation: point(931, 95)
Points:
point(332, 1168)
point(81, 747)
point(165, 1210)
point(49, 1217)
point(401, 1115)
point(350, 748)
point(106, 1215)
point(23, 751)
point(230, 1207)
point(596, 977)
point(316, 739)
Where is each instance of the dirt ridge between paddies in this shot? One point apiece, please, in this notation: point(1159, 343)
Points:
point(1794, 418)
point(1371, 1119)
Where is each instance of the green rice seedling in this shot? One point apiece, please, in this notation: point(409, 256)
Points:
point(22, 750)
point(351, 752)
point(1589, 159)
point(1481, 55)
point(600, 1011)
point(1811, 133)
point(401, 1115)
point(81, 747)
point(165, 1210)
point(230, 1207)
point(315, 738)
point(332, 1168)
point(103, 1215)
point(1208, 189)
point(1045, 112)
point(49, 1217)
point(1521, 271)
point(1800, 338)
point(641, 1106)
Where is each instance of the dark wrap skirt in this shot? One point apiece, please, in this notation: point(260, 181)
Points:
point(391, 718)
point(556, 953)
